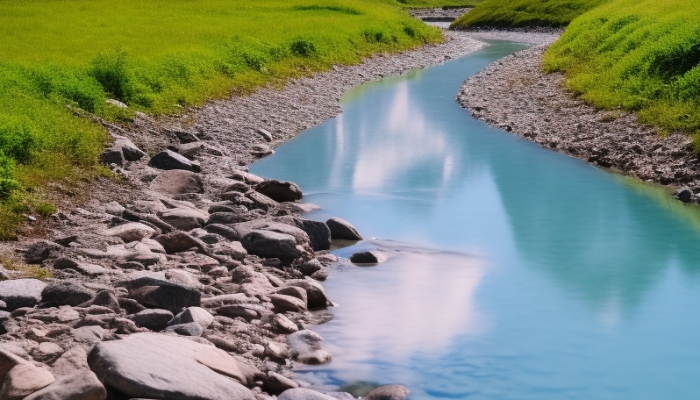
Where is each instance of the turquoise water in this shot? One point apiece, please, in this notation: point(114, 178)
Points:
point(515, 272)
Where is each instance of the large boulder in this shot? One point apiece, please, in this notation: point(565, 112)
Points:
point(168, 160)
point(342, 229)
point(318, 232)
point(270, 244)
point(261, 201)
point(156, 366)
point(308, 347)
point(184, 218)
point(280, 190)
point(24, 379)
point(316, 294)
point(300, 236)
point(388, 392)
point(66, 293)
point(19, 293)
point(177, 181)
point(153, 290)
point(74, 380)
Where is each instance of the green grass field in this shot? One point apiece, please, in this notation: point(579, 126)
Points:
point(640, 55)
point(158, 56)
point(524, 13)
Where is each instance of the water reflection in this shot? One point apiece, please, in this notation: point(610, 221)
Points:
point(577, 285)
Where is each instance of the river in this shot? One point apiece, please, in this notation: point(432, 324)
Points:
point(515, 272)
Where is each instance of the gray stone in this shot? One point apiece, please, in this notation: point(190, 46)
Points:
point(79, 385)
point(82, 267)
point(155, 320)
point(130, 151)
point(247, 177)
point(8, 360)
point(245, 311)
point(40, 251)
point(112, 155)
point(368, 257)
point(300, 236)
point(276, 383)
point(193, 314)
point(227, 217)
point(23, 380)
point(280, 190)
point(316, 294)
point(271, 245)
point(66, 293)
point(277, 352)
point(176, 182)
point(340, 395)
point(18, 293)
point(342, 229)
point(264, 133)
point(188, 329)
point(303, 394)
point(318, 232)
point(225, 231)
point(190, 150)
point(307, 347)
point(283, 303)
point(176, 242)
point(261, 201)
point(283, 324)
point(168, 160)
point(130, 232)
point(232, 249)
point(388, 392)
point(308, 268)
point(184, 218)
point(156, 292)
point(156, 366)
point(88, 335)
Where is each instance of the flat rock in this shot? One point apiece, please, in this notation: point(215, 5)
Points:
point(156, 366)
point(184, 218)
point(233, 249)
point(270, 244)
point(80, 385)
point(388, 392)
point(342, 229)
point(300, 236)
point(176, 182)
point(188, 329)
point(17, 293)
point(307, 347)
point(169, 160)
point(130, 232)
point(176, 242)
point(303, 394)
point(280, 190)
point(66, 293)
point(261, 201)
point(283, 303)
point(23, 380)
point(40, 251)
point(223, 230)
point(82, 267)
point(154, 291)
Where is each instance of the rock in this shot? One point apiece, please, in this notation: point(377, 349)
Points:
point(310, 267)
point(40, 251)
point(18, 293)
point(684, 194)
point(276, 383)
point(80, 385)
point(225, 231)
point(184, 218)
point(277, 352)
point(23, 380)
point(131, 232)
point(303, 394)
point(368, 257)
point(227, 299)
point(292, 291)
point(284, 303)
point(232, 249)
point(155, 320)
point(271, 245)
point(116, 103)
point(283, 324)
point(48, 350)
point(160, 293)
point(264, 225)
point(66, 293)
point(388, 392)
point(88, 335)
point(156, 366)
point(308, 347)
point(190, 150)
point(342, 229)
point(237, 187)
point(261, 150)
point(168, 160)
point(107, 299)
point(318, 232)
point(189, 329)
point(176, 182)
point(8, 361)
point(316, 294)
point(112, 155)
point(227, 217)
point(261, 201)
point(182, 277)
point(193, 314)
point(247, 177)
point(130, 151)
point(176, 242)
point(82, 267)
point(264, 133)
point(280, 190)
point(245, 311)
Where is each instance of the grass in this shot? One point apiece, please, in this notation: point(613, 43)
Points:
point(157, 57)
point(23, 270)
point(524, 13)
point(637, 55)
point(438, 4)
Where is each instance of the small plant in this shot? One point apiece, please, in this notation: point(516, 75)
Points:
point(303, 48)
point(45, 209)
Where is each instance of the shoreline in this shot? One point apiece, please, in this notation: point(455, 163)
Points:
point(191, 245)
point(515, 95)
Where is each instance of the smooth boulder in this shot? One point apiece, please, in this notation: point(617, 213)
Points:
point(342, 229)
point(388, 392)
point(130, 232)
point(17, 293)
point(280, 190)
point(156, 366)
point(270, 244)
point(177, 181)
point(168, 160)
point(155, 320)
point(157, 292)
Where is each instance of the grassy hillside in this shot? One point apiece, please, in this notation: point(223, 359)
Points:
point(640, 55)
point(156, 56)
point(524, 13)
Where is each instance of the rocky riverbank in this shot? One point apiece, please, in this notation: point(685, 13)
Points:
point(192, 278)
point(514, 94)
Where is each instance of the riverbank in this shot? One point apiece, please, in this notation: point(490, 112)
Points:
point(514, 94)
point(190, 269)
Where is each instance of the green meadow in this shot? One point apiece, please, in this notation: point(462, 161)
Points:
point(524, 13)
point(59, 58)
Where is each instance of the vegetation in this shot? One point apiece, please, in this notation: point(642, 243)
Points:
point(524, 13)
point(639, 55)
point(60, 57)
